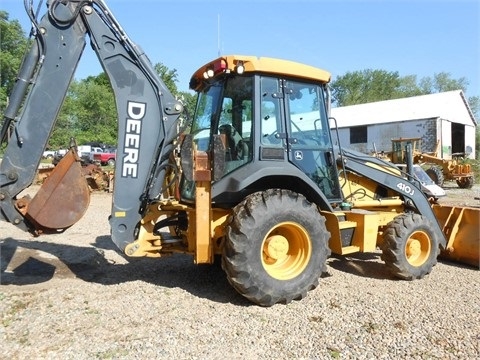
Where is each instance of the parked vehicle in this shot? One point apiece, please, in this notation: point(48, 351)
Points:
point(107, 157)
point(83, 149)
point(85, 152)
point(48, 154)
point(58, 155)
point(95, 150)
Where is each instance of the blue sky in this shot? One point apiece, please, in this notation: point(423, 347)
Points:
point(412, 37)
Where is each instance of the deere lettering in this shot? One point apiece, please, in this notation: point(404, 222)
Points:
point(133, 127)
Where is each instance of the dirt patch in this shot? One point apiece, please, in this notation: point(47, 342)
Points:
point(86, 251)
point(75, 296)
point(461, 197)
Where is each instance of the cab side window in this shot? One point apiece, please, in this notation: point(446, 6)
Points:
point(270, 120)
point(304, 112)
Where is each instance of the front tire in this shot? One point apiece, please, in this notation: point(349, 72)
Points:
point(276, 247)
point(410, 247)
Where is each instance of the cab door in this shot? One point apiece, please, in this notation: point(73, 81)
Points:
point(308, 139)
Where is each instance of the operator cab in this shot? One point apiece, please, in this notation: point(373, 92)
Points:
point(272, 117)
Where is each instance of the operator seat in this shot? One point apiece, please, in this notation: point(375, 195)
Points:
point(236, 148)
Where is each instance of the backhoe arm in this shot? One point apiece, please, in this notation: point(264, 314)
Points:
point(43, 81)
point(147, 115)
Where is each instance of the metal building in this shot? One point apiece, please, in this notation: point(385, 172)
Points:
point(441, 118)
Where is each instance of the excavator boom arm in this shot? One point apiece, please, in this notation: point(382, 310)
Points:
point(147, 112)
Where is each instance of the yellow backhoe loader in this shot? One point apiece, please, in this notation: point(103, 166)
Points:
point(253, 178)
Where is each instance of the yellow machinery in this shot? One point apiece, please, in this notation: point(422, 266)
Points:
point(461, 227)
point(254, 177)
point(440, 169)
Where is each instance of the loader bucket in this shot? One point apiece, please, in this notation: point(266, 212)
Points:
point(62, 199)
point(461, 226)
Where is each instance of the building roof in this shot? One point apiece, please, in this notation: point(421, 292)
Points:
point(450, 105)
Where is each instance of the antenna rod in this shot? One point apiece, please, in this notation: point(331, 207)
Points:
point(218, 34)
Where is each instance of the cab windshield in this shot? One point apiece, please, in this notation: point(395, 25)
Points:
point(208, 104)
point(225, 108)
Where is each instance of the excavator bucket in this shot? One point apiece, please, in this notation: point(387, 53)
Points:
point(63, 198)
point(461, 226)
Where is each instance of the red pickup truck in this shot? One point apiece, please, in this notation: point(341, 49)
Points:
point(105, 158)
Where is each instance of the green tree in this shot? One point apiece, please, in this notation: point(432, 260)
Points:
point(189, 101)
point(88, 113)
point(169, 77)
point(474, 103)
point(441, 82)
point(409, 87)
point(13, 43)
point(365, 86)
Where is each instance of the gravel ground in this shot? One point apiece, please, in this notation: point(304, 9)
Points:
point(73, 296)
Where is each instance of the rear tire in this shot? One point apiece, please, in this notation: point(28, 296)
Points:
point(276, 247)
point(465, 182)
point(436, 174)
point(410, 246)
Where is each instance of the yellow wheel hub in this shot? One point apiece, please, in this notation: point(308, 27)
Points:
point(276, 247)
point(286, 251)
point(418, 248)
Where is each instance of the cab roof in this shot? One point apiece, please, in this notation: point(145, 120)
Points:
point(229, 63)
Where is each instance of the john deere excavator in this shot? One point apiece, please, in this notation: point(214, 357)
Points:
point(254, 178)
